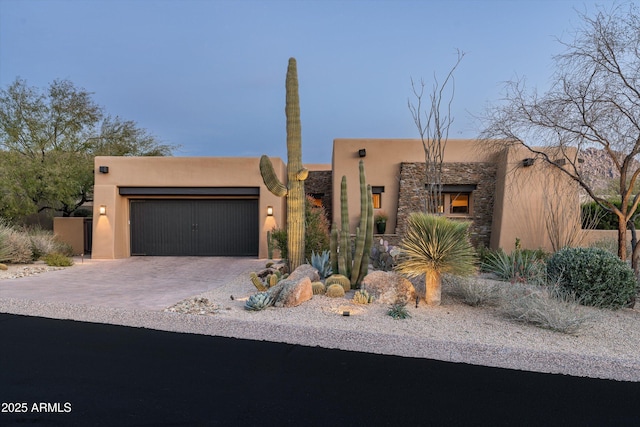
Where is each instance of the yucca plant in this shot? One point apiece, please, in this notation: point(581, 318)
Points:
point(434, 245)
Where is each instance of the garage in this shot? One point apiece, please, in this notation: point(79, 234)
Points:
point(195, 227)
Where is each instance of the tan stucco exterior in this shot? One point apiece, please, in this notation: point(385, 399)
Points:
point(111, 238)
point(523, 197)
point(71, 231)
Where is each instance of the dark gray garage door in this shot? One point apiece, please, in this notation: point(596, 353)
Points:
point(220, 227)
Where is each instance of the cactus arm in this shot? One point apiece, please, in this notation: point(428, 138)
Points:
point(270, 179)
point(302, 174)
point(345, 241)
point(368, 242)
point(362, 229)
point(333, 248)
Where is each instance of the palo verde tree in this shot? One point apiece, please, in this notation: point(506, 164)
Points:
point(433, 123)
point(594, 101)
point(48, 140)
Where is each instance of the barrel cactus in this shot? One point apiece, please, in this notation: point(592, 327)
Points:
point(335, 291)
point(259, 301)
point(318, 288)
point(340, 280)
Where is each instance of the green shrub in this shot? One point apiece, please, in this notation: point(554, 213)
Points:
point(55, 259)
point(597, 277)
point(398, 310)
point(595, 217)
point(279, 238)
point(520, 266)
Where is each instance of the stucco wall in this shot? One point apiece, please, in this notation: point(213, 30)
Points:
point(524, 198)
point(111, 237)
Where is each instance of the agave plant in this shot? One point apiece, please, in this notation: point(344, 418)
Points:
point(322, 263)
point(259, 301)
point(434, 245)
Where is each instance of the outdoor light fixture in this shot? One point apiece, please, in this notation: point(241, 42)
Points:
point(528, 162)
point(103, 169)
point(362, 152)
point(269, 210)
point(103, 210)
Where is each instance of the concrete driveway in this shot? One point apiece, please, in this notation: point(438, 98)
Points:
point(148, 283)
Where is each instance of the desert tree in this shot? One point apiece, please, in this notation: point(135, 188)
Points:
point(593, 101)
point(433, 119)
point(48, 141)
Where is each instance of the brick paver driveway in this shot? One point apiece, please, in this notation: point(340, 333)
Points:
point(149, 283)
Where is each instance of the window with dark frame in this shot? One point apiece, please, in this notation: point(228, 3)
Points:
point(376, 197)
point(456, 199)
point(317, 198)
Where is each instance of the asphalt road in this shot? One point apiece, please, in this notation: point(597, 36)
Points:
point(63, 372)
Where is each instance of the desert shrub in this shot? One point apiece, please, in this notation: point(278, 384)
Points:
point(279, 238)
point(546, 307)
point(519, 266)
point(595, 217)
point(44, 242)
point(597, 277)
point(470, 291)
point(18, 245)
point(56, 259)
point(316, 235)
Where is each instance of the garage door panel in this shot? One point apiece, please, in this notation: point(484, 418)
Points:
point(217, 227)
point(228, 227)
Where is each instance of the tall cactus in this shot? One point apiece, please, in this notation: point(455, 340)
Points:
point(296, 173)
point(355, 267)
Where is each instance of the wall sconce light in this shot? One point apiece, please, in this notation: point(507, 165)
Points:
point(102, 209)
point(528, 162)
point(103, 169)
point(362, 152)
point(269, 210)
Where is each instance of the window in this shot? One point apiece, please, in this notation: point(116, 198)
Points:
point(317, 198)
point(456, 199)
point(376, 197)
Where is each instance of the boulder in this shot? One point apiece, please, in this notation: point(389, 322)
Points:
point(305, 270)
point(291, 292)
point(388, 287)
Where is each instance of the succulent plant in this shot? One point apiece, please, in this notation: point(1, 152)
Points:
point(318, 288)
point(257, 282)
point(362, 297)
point(272, 280)
point(398, 311)
point(339, 279)
point(259, 301)
point(335, 291)
point(322, 263)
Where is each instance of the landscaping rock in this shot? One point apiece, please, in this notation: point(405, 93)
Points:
point(296, 288)
point(388, 287)
point(292, 292)
point(305, 270)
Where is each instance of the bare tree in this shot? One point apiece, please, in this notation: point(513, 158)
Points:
point(594, 101)
point(433, 123)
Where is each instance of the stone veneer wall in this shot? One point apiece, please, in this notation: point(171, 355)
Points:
point(483, 175)
point(321, 182)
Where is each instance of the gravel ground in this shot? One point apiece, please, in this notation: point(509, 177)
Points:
point(607, 347)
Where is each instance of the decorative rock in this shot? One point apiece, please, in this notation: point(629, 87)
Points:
point(305, 270)
point(292, 292)
point(388, 287)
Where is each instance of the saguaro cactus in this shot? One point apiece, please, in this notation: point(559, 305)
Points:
point(296, 173)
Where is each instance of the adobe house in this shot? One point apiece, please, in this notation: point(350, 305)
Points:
point(214, 206)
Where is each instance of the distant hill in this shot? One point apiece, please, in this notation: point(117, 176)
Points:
point(598, 169)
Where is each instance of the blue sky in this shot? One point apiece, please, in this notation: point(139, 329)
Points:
point(209, 75)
